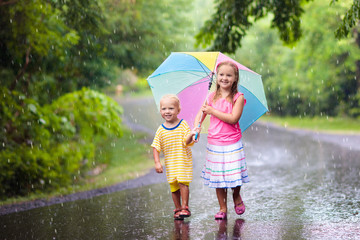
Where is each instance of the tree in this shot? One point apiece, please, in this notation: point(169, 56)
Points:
point(142, 33)
point(314, 78)
point(44, 46)
point(349, 21)
point(233, 18)
point(52, 49)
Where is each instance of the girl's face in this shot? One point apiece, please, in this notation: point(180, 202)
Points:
point(169, 110)
point(226, 77)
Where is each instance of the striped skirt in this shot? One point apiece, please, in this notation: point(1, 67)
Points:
point(225, 166)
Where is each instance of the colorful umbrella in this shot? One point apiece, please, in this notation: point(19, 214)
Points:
point(188, 74)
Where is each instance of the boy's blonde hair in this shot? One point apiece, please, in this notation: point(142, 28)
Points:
point(173, 97)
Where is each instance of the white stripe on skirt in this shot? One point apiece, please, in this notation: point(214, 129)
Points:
point(225, 166)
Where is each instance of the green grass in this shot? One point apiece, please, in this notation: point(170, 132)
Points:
point(122, 159)
point(130, 157)
point(320, 124)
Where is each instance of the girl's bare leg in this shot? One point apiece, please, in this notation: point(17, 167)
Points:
point(221, 194)
point(236, 195)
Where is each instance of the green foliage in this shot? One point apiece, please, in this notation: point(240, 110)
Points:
point(52, 48)
point(48, 147)
point(233, 18)
point(49, 48)
point(317, 77)
point(349, 21)
point(142, 33)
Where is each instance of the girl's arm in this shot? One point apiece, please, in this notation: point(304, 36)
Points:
point(199, 115)
point(231, 118)
point(158, 166)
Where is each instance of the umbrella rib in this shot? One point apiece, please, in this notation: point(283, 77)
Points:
point(202, 67)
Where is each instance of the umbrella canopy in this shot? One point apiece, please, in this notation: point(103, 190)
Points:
point(187, 74)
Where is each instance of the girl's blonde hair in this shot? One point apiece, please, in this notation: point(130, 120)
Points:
point(234, 87)
point(173, 97)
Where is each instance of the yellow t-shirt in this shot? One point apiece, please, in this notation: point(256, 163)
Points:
point(178, 156)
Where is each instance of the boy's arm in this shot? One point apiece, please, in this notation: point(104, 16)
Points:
point(158, 166)
point(189, 137)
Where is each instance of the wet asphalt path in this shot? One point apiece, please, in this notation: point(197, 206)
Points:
point(300, 188)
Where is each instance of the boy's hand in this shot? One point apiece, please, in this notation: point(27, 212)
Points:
point(159, 168)
point(196, 130)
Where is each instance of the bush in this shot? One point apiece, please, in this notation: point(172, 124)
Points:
point(45, 147)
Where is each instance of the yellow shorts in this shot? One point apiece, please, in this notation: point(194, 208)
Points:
point(174, 186)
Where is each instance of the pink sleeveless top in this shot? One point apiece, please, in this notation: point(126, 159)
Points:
point(220, 132)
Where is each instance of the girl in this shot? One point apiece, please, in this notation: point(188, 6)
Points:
point(225, 165)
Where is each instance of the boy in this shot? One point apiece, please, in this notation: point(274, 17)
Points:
point(174, 138)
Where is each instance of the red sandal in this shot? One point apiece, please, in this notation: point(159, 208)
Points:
point(177, 214)
point(185, 212)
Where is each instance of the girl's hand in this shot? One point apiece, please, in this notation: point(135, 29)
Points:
point(207, 109)
point(158, 168)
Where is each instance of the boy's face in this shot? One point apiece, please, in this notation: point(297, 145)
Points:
point(169, 110)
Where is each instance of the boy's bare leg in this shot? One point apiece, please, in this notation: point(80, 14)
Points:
point(221, 194)
point(176, 199)
point(184, 191)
